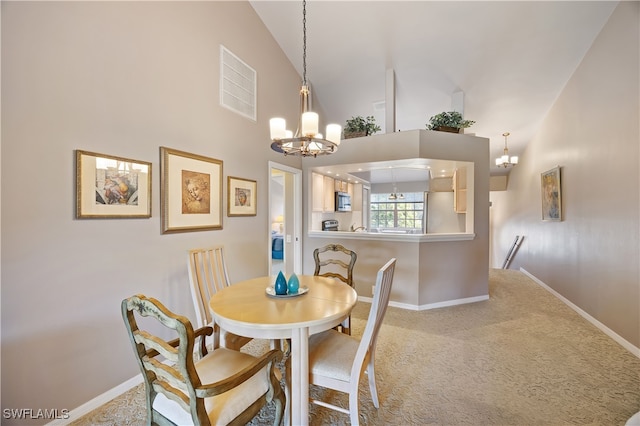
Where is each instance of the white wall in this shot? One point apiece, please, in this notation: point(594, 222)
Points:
point(592, 133)
point(119, 78)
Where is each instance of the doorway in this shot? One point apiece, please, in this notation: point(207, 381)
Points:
point(285, 216)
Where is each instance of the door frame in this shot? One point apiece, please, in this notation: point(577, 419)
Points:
point(294, 223)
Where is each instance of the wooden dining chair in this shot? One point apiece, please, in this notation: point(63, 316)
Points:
point(337, 361)
point(208, 275)
point(224, 387)
point(336, 261)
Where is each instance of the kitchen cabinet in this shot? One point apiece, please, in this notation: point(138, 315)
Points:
point(317, 192)
point(341, 185)
point(323, 196)
point(460, 190)
point(329, 194)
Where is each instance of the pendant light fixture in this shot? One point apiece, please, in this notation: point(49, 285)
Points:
point(395, 195)
point(307, 141)
point(506, 161)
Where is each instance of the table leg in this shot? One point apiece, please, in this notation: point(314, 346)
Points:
point(300, 376)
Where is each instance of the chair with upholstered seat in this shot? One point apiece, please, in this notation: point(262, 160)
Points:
point(223, 387)
point(208, 275)
point(336, 261)
point(337, 361)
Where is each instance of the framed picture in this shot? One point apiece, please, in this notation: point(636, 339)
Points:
point(551, 195)
point(241, 197)
point(191, 192)
point(112, 187)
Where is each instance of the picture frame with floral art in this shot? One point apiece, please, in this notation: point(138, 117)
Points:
point(190, 192)
point(242, 195)
point(111, 187)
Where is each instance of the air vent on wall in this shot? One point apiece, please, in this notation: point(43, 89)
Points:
point(237, 84)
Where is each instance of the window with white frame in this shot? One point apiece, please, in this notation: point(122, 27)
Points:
point(399, 213)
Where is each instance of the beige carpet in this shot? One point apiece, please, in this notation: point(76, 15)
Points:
point(520, 358)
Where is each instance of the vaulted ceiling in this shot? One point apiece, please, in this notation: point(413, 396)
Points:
point(509, 59)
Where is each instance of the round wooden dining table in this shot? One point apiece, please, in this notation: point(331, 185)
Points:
point(245, 308)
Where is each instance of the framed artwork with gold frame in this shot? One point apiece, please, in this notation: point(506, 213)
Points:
point(241, 197)
point(191, 192)
point(112, 187)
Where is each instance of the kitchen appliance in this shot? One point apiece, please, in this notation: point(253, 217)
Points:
point(330, 225)
point(343, 202)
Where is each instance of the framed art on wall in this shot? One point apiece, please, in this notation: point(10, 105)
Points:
point(551, 195)
point(241, 197)
point(191, 192)
point(112, 187)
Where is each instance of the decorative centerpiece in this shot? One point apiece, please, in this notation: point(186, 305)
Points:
point(358, 127)
point(280, 286)
point(285, 289)
point(294, 284)
point(451, 121)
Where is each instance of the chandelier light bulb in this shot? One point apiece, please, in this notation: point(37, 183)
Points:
point(334, 133)
point(309, 124)
point(278, 128)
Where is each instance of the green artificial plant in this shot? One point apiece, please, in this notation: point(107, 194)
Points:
point(451, 119)
point(360, 124)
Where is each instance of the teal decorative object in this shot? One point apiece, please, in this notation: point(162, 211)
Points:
point(281, 284)
point(293, 284)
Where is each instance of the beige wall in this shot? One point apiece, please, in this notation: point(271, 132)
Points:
point(592, 132)
point(119, 78)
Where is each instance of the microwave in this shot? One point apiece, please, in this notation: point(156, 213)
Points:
point(343, 202)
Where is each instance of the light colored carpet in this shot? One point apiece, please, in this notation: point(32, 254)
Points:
point(520, 358)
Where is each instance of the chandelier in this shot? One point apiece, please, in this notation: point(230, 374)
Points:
point(506, 161)
point(395, 195)
point(307, 141)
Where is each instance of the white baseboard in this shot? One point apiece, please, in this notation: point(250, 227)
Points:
point(99, 400)
point(606, 330)
point(429, 305)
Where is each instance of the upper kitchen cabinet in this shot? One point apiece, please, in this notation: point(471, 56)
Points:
point(329, 194)
point(344, 186)
point(323, 193)
point(460, 190)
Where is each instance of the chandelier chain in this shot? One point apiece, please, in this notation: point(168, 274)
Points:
point(304, 42)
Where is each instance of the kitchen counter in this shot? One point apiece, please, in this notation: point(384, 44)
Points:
point(392, 236)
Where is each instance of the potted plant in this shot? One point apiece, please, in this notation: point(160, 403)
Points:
point(359, 126)
point(451, 121)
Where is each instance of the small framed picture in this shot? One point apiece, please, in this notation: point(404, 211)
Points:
point(551, 195)
point(241, 197)
point(191, 192)
point(112, 187)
